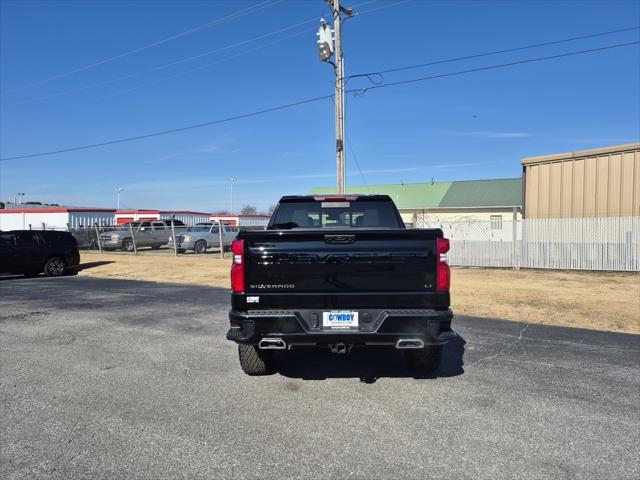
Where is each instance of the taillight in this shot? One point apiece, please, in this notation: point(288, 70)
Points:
point(237, 268)
point(443, 273)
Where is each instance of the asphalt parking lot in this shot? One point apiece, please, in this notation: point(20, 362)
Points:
point(106, 378)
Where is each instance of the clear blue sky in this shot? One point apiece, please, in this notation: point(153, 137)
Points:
point(465, 127)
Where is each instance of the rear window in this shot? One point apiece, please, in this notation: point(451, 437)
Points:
point(200, 228)
point(347, 214)
point(26, 239)
point(7, 240)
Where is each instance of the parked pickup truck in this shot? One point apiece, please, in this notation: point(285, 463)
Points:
point(152, 234)
point(203, 236)
point(339, 272)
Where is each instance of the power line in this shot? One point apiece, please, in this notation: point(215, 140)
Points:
point(316, 99)
point(200, 67)
point(204, 54)
point(355, 157)
point(497, 52)
point(194, 69)
point(233, 45)
point(265, 35)
point(219, 21)
point(270, 34)
point(369, 75)
point(490, 67)
point(173, 130)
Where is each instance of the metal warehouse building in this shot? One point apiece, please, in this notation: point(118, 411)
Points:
point(421, 203)
point(601, 182)
point(38, 217)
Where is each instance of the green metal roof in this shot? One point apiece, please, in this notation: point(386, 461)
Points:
point(506, 192)
point(461, 194)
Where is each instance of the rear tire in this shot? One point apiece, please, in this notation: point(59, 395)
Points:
point(55, 267)
point(255, 362)
point(425, 359)
point(127, 245)
point(200, 247)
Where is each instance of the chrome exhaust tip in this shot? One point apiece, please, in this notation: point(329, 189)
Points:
point(406, 343)
point(272, 344)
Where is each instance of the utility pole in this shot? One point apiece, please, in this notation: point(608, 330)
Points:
point(118, 191)
point(329, 44)
point(340, 160)
point(230, 181)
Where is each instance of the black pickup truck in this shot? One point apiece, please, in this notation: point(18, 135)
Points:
point(339, 272)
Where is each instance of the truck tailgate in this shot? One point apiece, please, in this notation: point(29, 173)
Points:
point(342, 268)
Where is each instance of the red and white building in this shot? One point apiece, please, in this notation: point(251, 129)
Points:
point(39, 217)
point(128, 216)
point(242, 221)
point(185, 216)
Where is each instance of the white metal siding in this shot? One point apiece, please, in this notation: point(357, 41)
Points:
point(89, 219)
point(187, 218)
point(608, 243)
point(249, 221)
point(34, 220)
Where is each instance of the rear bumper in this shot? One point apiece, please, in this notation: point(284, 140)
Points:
point(377, 327)
point(183, 245)
point(108, 243)
point(72, 260)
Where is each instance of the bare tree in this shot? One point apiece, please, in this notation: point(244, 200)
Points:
point(271, 209)
point(249, 210)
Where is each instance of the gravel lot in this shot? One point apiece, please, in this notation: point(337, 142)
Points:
point(120, 379)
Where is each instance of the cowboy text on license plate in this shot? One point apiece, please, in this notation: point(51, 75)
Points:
point(340, 319)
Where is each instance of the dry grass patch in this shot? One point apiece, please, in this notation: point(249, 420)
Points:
point(594, 300)
point(599, 301)
point(208, 269)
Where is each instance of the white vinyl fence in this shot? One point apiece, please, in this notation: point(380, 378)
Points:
point(559, 243)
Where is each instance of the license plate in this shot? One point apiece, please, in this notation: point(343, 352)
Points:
point(340, 319)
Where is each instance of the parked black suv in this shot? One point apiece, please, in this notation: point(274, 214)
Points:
point(31, 252)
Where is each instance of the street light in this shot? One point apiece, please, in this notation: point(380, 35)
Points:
point(20, 195)
point(230, 180)
point(118, 191)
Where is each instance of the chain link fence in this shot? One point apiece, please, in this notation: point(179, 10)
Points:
point(609, 244)
point(167, 236)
